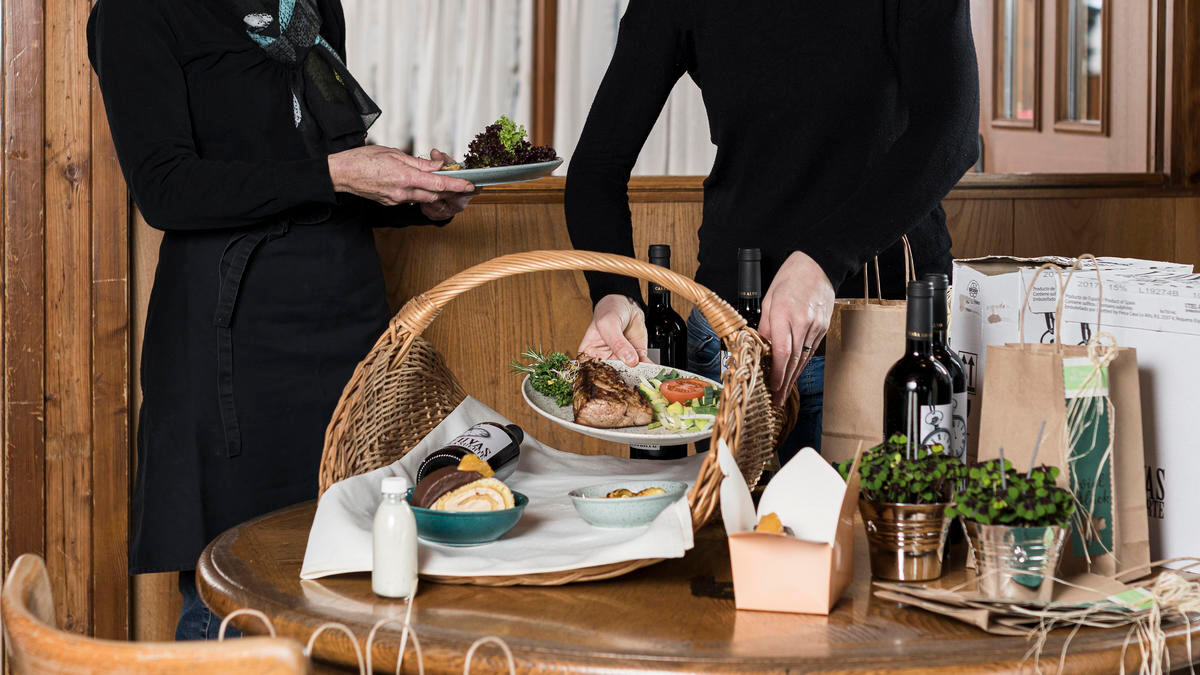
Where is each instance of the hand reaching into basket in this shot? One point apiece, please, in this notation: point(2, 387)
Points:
point(795, 316)
point(617, 331)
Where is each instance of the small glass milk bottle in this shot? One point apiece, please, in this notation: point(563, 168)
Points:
point(394, 570)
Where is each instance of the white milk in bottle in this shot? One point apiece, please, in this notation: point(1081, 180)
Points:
point(394, 570)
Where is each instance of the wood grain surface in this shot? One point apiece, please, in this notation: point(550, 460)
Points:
point(675, 616)
point(1133, 228)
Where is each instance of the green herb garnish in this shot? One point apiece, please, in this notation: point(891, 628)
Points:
point(550, 374)
point(510, 133)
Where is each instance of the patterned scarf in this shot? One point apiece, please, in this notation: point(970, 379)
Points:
point(330, 110)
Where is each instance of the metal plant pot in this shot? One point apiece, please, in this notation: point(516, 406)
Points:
point(907, 542)
point(1018, 563)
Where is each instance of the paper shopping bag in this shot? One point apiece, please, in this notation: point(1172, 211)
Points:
point(865, 338)
point(1089, 397)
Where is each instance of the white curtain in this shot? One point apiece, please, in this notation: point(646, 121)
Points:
point(587, 35)
point(441, 70)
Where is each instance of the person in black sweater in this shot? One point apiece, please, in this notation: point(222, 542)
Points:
point(241, 135)
point(839, 127)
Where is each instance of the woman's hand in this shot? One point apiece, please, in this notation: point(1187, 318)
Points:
point(451, 203)
point(795, 316)
point(391, 177)
point(617, 331)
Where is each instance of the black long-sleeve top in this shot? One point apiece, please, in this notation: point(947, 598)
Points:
point(268, 289)
point(839, 127)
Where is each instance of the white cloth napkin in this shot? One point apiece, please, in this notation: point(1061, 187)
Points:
point(551, 536)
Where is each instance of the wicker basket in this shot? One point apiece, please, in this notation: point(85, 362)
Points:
point(402, 390)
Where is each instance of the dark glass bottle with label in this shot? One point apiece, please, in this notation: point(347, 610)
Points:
point(749, 299)
point(666, 345)
point(917, 392)
point(953, 364)
point(497, 444)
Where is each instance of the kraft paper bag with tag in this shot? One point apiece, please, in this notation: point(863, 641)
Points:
point(865, 338)
point(1090, 399)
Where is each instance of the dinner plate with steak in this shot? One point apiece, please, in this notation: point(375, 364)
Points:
point(615, 402)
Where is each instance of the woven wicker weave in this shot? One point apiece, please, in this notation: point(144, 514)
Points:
point(403, 389)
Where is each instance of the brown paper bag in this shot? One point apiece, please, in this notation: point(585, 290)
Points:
point(1024, 385)
point(865, 338)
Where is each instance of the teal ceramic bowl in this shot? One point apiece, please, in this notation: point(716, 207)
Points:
point(466, 528)
point(602, 511)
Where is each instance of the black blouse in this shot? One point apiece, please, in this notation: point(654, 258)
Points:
point(268, 289)
point(839, 126)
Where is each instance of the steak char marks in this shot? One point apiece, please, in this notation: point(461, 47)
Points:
point(602, 399)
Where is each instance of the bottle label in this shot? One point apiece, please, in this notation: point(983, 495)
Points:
point(958, 442)
point(724, 363)
point(932, 425)
point(635, 446)
point(655, 355)
point(485, 440)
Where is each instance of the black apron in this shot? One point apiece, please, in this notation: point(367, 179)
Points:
point(250, 338)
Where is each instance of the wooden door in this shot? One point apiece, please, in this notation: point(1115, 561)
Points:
point(1118, 86)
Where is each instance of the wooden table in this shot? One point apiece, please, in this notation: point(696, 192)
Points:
point(674, 616)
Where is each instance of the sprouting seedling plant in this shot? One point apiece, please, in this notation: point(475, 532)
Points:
point(893, 473)
point(994, 493)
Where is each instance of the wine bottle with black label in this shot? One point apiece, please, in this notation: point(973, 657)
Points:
point(749, 299)
point(953, 364)
point(497, 444)
point(666, 345)
point(917, 392)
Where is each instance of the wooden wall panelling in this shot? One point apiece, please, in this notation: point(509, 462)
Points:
point(1135, 228)
point(980, 227)
point(110, 383)
point(24, 279)
point(68, 314)
point(1187, 231)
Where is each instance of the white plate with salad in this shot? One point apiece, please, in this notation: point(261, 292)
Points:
point(684, 404)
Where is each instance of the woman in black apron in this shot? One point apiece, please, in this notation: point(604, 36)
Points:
point(240, 133)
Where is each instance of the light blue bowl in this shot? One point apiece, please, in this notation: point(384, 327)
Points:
point(602, 511)
point(466, 528)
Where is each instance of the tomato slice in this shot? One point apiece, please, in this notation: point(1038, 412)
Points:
point(683, 390)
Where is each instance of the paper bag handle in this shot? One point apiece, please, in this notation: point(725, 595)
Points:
point(1061, 295)
point(910, 273)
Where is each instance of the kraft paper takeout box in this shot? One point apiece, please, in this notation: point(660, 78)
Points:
point(805, 573)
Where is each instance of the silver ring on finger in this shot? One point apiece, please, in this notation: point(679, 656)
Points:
point(806, 349)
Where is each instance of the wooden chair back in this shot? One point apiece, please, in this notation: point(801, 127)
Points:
point(36, 645)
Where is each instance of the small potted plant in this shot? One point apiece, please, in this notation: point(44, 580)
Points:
point(904, 496)
point(1017, 525)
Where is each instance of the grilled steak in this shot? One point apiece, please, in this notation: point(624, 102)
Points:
point(602, 399)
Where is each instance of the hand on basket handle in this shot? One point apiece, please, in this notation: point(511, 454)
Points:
point(795, 316)
point(617, 331)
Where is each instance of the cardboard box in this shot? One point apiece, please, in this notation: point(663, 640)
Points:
point(804, 572)
point(1153, 307)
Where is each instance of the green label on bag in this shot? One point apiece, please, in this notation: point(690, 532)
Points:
point(1137, 599)
point(1091, 470)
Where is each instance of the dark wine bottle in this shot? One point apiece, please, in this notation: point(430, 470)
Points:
point(917, 392)
point(953, 364)
point(749, 298)
point(497, 444)
point(666, 345)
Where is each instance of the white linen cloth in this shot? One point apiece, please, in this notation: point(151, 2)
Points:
point(550, 537)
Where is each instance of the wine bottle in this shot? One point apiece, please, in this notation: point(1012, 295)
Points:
point(497, 444)
point(666, 345)
point(749, 299)
point(953, 364)
point(917, 392)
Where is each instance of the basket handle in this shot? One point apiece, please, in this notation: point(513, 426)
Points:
point(421, 310)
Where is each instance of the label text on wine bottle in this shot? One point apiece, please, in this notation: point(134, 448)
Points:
point(484, 440)
point(931, 424)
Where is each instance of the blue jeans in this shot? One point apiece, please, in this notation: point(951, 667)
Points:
point(196, 620)
point(704, 358)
